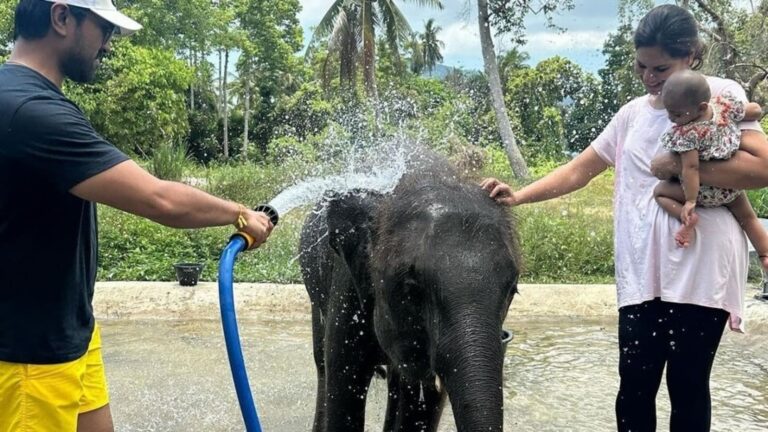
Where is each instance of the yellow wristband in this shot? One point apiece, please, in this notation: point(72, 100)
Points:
point(241, 223)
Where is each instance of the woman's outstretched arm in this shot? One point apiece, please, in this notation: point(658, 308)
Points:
point(565, 179)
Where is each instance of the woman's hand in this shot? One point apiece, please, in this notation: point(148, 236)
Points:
point(499, 191)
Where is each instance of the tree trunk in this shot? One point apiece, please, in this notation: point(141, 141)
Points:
point(225, 104)
point(369, 50)
point(220, 104)
point(347, 63)
point(193, 65)
point(246, 114)
point(516, 161)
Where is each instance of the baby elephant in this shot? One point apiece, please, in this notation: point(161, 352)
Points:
point(420, 281)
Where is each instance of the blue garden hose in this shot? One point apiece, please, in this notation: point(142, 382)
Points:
point(238, 243)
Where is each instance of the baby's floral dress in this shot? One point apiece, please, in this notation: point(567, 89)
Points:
point(717, 138)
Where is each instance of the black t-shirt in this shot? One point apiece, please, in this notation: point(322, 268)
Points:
point(48, 237)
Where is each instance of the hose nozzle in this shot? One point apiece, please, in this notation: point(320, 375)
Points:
point(273, 217)
point(270, 211)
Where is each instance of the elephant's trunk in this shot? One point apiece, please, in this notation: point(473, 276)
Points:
point(470, 365)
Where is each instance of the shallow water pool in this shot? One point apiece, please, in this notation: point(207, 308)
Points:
point(560, 375)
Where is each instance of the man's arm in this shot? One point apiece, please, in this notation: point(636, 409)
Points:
point(747, 169)
point(128, 187)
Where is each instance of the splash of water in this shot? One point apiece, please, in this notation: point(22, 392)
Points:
point(378, 169)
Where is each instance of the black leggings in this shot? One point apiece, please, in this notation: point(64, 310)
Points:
point(685, 337)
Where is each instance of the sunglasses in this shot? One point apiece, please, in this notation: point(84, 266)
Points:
point(108, 30)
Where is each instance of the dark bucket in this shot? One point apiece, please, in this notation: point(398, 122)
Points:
point(188, 273)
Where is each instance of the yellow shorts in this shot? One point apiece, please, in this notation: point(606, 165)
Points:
point(45, 398)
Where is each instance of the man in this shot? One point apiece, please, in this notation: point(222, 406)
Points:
point(53, 168)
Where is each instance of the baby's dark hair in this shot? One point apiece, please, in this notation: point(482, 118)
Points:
point(686, 85)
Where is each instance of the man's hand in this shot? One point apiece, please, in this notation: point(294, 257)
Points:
point(666, 166)
point(499, 191)
point(259, 227)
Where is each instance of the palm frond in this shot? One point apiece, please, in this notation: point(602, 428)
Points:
point(397, 25)
point(430, 3)
point(326, 25)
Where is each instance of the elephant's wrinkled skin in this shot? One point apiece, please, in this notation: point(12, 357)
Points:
point(419, 281)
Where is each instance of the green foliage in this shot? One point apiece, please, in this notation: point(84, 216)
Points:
point(759, 200)
point(139, 102)
point(539, 100)
point(203, 143)
point(248, 183)
point(587, 117)
point(565, 243)
point(431, 45)
point(303, 113)
point(132, 248)
point(349, 28)
point(6, 26)
point(173, 25)
point(288, 148)
point(508, 16)
point(168, 161)
point(620, 84)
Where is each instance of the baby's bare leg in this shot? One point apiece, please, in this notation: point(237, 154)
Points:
point(670, 197)
point(745, 215)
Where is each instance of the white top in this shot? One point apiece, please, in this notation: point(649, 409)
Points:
point(712, 271)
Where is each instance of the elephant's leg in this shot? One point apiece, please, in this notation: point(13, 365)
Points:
point(350, 359)
point(420, 404)
point(318, 336)
point(393, 399)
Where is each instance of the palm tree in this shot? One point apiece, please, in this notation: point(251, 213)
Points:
point(417, 53)
point(350, 26)
point(431, 45)
point(511, 61)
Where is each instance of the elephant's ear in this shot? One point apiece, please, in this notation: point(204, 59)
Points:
point(350, 233)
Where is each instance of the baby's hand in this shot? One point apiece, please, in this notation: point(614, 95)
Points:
point(686, 215)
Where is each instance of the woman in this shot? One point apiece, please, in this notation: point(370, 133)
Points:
point(673, 302)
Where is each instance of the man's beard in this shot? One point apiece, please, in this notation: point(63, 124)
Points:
point(78, 68)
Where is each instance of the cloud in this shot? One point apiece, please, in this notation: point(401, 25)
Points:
point(460, 38)
point(463, 38)
point(582, 40)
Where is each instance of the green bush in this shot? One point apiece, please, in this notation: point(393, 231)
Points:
point(250, 184)
point(759, 200)
point(133, 248)
point(288, 148)
point(168, 162)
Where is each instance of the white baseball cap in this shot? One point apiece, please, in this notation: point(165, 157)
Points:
point(107, 10)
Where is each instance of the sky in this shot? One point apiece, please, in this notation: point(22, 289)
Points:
point(587, 25)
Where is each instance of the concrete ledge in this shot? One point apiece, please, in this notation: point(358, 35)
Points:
point(169, 300)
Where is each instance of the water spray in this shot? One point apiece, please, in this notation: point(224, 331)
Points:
point(238, 243)
point(361, 173)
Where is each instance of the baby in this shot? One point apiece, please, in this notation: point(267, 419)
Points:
point(705, 129)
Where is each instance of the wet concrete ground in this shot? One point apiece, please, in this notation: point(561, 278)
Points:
point(560, 369)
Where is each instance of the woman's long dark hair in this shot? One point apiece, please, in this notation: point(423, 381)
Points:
point(674, 30)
